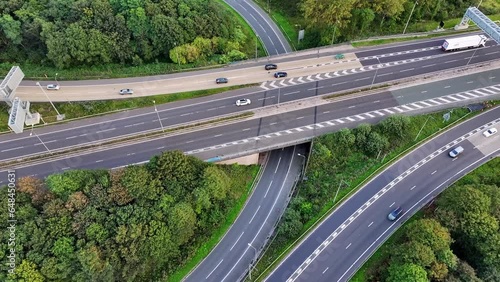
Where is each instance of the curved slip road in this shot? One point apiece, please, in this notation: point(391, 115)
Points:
point(345, 239)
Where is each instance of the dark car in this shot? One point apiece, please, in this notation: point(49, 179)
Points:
point(221, 80)
point(280, 74)
point(271, 66)
point(393, 215)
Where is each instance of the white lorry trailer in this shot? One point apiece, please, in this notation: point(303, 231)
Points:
point(466, 42)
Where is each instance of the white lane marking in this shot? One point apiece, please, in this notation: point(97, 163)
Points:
point(350, 107)
point(450, 61)
point(294, 92)
point(81, 135)
point(426, 66)
point(326, 112)
point(270, 97)
point(319, 87)
point(469, 82)
point(211, 109)
point(425, 91)
point(246, 129)
point(433, 172)
point(65, 168)
point(348, 246)
point(130, 125)
point(273, 123)
point(238, 239)
point(392, 204)
point(378, 101)
point(186, 114)
point(269, 187)
point(187, 142)
point(277, 165)
point(130, 154)
point(160, 148)
point(407, 70)
point(447, 86)
point(362, 78)
point(100, 131)
point(413, 187)
point(371, 223)
point(254, 215)
point(300, 118)
point(326, 269)
point(12, 149)
point(98, 161)
point(214, 269)
point(382, 74)
point(71, 137)
point(218, 135)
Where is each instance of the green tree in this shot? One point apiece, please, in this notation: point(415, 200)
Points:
point(11, 29)
point(406, 272)
point(362, 132)
point(416, 253)
point(27, 271)
point(429, 232)
point(182, 221)
point(375, 144)
point(328, 13)
point(396, 127)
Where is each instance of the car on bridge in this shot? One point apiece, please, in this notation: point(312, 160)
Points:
point(52, 86)
point(127, 91)
point(221, 80)
point(271, 67)
point(490, 132)
point(280, 74)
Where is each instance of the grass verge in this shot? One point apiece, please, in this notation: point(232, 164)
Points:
point(76, 110)
point(363, 170)
point(205, 248)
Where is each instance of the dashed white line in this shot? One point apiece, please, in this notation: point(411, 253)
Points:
point(433, 172)
point(71, 137)
point(300, 118)
point(447, 86)
point(378, 101)
point(238, 238)
point(273, 123)
point(326, 269)
point(426, 66)
point(413, 187)
point(65, 168)
point(319, 87)
point(130, 154)
point(382, 74)
point(425, 91)
point(12, 149)
point(279, 160)
point(362, 78)
point(212, 109)
point(348, 246)
point(350, 107)
point(469, 82)
point(218, 135)
point(254, 214)
point(392, 204)
point(294, 92)
point(246, 129)
point(81, 135)
point(371, 223)
point(186, 114)
point(407, 70)
point(100, 131)
point(269, 187)
point(98, 161)
point(451, 61)
point(190, 141)
point(214, 269)
point(326, 112)
point(160, 148)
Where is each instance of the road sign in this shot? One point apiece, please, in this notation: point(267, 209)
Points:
point(10, 83)
point(17, 116)
point(447, 116)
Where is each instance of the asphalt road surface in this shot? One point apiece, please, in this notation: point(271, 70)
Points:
point(95, 130)
point(353, 232)
point(265, 28)
point(246, 237)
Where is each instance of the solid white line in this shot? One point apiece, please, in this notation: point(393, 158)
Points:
point(238, 238)
point(254, 215)
point(214, 269)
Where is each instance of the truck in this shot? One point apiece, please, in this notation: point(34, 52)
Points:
point(466, 42)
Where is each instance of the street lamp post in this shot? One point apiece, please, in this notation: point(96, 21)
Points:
point(59, 116)
point(298, 35)
point(279, 95)
point(256, 44)
point(375, 72)
point(56, 79)
point(158, 114)
point(303, 165)
point(411, 13)
point(177, 53)
point(250, 267)
point(31, 133)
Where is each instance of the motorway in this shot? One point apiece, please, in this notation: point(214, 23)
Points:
point(243, 242)
point(265, 28)
point(404, 60)
point(344, 240)
point(95, 130)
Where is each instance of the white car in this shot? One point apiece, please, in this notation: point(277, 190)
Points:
point(243, 102)
point(126, 91)
point(490, 132)
point(52, 86)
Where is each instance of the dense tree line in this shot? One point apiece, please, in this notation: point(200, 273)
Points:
point(75, 33)
point(458, 240)
point(139, 223)
point(351, 19)
point(336, 159)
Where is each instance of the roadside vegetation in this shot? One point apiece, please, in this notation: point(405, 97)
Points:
point(336, 21)
point(456, 238)
point(339, 164)
point(140, 223)
point(82, 109)
point(108, 38)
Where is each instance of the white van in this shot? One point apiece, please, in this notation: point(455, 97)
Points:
point(457, 151)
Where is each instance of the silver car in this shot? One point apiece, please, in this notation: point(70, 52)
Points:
point(126, 91)
point(52, 86)
point(457, 151)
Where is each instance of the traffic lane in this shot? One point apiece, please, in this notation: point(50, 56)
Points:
point(401, 57)
point(277, 43)
point(400, 48)
point(286, 120)
point(372, 222)
point(251, 17)
point(236, 240)
point(266, 217)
